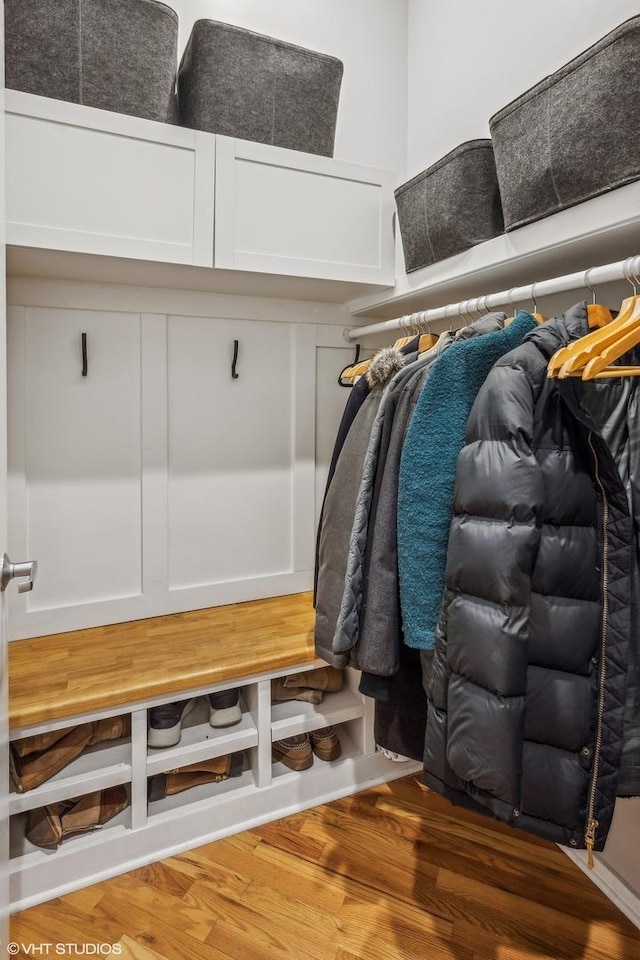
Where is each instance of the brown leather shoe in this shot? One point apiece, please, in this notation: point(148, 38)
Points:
point(294, 752)
point(205, 771)
point(30, 770)
point(328, 679)
point(49, 826)
point(325, 743)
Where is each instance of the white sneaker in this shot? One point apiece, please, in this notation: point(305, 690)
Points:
point(165, 723)
point(224, 708)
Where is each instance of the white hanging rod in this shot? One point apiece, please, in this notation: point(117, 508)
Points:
point(628, 269)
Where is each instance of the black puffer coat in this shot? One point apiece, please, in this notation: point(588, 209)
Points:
point(527, 689)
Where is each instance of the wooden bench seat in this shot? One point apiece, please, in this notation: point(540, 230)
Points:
point(68, 674)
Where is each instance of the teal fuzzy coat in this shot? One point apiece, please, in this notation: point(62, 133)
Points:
point(428, 468)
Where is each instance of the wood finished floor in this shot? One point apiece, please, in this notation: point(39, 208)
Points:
point(394, 873)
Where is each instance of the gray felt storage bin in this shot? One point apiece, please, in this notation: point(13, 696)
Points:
point(575, 134)
point(450, 206)
point(242, 84)
point(118, 55)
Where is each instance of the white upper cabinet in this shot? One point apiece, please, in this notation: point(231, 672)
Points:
point(96, 182)
point(89, 181)
point(280, 211)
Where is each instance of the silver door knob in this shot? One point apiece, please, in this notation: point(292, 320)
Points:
point(14, 571)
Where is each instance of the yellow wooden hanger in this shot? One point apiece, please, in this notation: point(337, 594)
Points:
point(570, 360)
point(580, 352)
point(629, 337)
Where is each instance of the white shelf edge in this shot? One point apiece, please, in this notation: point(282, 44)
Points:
point(205, 749)
point(549, 247)
point(74, 786)
point(291, 717)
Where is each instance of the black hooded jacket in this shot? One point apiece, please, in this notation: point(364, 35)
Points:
point(528, 684)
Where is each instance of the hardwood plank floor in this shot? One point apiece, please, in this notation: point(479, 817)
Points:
point(394, 873)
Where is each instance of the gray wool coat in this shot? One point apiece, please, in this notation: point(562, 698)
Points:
point(339, 507)
point(369, 619)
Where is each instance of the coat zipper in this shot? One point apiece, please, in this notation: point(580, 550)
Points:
point(592, 823)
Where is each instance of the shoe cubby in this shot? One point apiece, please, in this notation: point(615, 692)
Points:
point(200, 741)
point(350, 735)
point(99, 765)
point(291, 717)
point(25, 854)
point(197, 797)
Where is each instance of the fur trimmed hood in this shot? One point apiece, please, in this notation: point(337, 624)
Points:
point(384, 365)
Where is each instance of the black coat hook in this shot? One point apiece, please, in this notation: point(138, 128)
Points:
point(234, 375)
point(85, 366)
point(348, 383)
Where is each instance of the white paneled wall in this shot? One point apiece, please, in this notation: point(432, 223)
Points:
point(231, 453)
point(74, 454)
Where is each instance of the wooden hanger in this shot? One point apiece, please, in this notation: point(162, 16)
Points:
point(572, 359)
point(628, 338)
point(426, 342)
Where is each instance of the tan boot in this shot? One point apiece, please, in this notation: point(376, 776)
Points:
point(39, 742)
point(33, 769)
point(194, 775)
point(328, 679)
point(280, 692)
point(49, 826)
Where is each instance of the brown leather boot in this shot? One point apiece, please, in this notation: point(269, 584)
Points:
point(280, 692)
point(49, 826)
point(38, 742)
point(194, 775)
point(328, 679)
point(33, 769)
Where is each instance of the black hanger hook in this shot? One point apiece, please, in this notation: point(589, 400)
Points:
point(352, 364)
point(85, 364)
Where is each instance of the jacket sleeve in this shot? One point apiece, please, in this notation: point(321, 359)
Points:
point(480, 677)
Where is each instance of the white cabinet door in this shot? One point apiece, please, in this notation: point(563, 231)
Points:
point(231, 450)
point(281, 211)
point(74, 455)
point(91, 181)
